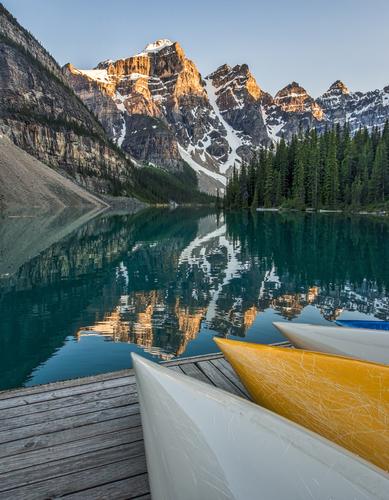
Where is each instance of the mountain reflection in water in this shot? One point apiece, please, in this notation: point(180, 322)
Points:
point(164, 282)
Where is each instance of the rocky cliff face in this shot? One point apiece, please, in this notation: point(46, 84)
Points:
point(294, 99)
point(41, 114)
point(358, 109)
point(237, 100)
point(157, 107)
point(292, 110)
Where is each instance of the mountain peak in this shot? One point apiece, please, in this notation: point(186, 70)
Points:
point(294, 98)
point(235, 80)
point(338, 87)
point(156, 46)
point(221, 70)
point(334, 94)
point(293, 89)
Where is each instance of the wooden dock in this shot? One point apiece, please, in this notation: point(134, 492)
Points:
point(82, 439)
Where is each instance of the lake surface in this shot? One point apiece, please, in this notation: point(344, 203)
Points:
point(78, 296)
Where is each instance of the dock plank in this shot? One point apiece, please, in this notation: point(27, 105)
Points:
point(70, 449)
point(78, 482)
point(133, 487)
point(66, 401)
point(73, 413)
point(218, 378)
point(48, 395)
point(43, 447)
point(176, 368)
point(65, 384)
point(83, 462)
point(227, 370)
point(194, 371)
point(193, 359)
point(60, 425)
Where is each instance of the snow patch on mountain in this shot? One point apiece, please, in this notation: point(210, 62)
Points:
point(232, 137)
point(273, 129)
point(156, 46)
point(199, 168)
point(99, 75)
point(122, 132)
point(119, 101)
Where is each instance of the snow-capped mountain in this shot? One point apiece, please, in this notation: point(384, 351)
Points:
point(155, 106)
point(358, 109)
point(158, 108)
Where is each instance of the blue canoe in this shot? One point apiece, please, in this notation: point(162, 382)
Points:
point(372, 325)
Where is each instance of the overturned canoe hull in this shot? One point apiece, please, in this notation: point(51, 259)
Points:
point(202, 442)
point(343, 399)
point(373, 325)
point(368, 345)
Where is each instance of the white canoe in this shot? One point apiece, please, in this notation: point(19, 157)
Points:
point(204, 443)
point(368, 345)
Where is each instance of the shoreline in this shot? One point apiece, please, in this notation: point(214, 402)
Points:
point(378, 213)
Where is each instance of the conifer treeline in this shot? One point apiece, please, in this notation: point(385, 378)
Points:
point(329, 170)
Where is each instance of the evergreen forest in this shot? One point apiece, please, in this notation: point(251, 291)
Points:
point(329, 170)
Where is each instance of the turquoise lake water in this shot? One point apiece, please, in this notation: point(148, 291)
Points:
point(76, 299)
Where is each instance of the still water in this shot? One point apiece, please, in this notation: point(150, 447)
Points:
point(78, 296)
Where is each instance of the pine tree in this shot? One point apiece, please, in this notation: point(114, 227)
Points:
point(345, 180)
point(281, 166)
point(269, 182)
point(356, 193)
point(379, 173)
point(243, 188)
point(331, 179)
point(313, 167)
point(255, 201)
point(299, 176)
point(251, 180)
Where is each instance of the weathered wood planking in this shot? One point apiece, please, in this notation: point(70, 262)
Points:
point(192, 370)
point(84, 461)
point(83, 406)
point(83, 438)
point(227, 370)
point(47, 394)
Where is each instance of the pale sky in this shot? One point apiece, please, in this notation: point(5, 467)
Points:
point(313, 42)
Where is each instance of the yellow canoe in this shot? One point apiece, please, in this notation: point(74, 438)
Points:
point(343, 399)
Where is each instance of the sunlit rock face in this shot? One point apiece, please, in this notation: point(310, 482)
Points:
point(294, 99)
point(291, 111)
point(155, 106)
